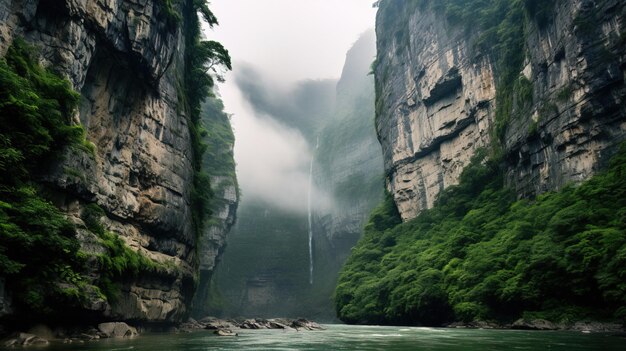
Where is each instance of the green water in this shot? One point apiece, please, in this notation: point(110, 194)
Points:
point(342, 337)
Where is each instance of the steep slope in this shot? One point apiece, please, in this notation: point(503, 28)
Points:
point(264, 271)
point(131, 191)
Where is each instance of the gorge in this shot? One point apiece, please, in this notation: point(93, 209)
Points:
point(460, 165)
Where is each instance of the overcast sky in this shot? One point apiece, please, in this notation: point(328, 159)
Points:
point(288, 41)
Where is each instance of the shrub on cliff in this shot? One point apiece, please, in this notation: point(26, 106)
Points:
point(38, 247)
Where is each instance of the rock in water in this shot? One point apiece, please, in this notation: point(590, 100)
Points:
point(25, 339)
point(117, 330)
point(225, 332)
point(535, 324)
point(302, 323)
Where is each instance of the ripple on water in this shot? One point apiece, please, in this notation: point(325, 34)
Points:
point(364, 338)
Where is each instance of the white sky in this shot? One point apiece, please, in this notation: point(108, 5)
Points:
point(292, 39)
point(287, 40)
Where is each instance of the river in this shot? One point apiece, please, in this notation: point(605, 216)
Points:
point(343, 337)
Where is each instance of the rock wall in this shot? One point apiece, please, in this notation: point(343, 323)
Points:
point(219, 164)
point(348, 164)
point(127, 61)
point(264, 272)
point(436, 99)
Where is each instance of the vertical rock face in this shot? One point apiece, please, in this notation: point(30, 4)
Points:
point(264, 271)
point(577, 66)
point(436, 99)
point(219, 164)
point(348, 164)
point(127, 61)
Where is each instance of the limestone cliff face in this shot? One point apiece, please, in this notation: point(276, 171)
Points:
point(127, 61)
point(436, 99)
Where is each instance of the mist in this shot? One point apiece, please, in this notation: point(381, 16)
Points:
point(274, 158)
point(303, 105)
point(283, 87)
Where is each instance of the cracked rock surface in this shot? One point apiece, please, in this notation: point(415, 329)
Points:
point(436, 100)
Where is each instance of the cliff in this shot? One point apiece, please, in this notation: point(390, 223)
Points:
point(440, 83)
point(348, 164)
point(219, 163)
point(264, 270)
point(131, 195)
point(501, 124)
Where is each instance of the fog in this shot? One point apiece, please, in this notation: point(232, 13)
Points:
point(287, 55)
point(303, 105)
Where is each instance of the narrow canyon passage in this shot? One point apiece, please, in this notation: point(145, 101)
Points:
point(309, 187)
point(313, 175)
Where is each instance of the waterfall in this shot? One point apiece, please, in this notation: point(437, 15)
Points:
point(309, 196)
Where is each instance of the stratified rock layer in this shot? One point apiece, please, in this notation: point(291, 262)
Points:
point(127, 61)
point(436, 99)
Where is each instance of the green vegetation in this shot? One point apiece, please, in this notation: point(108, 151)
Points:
point(40, 255)
point(481, 254)
point(120, 261)
point(203, 60)
point(219, 139)
point(218, 159)
point(565, 93)
point(38, 248)
point(171, 16)
point(267, 250)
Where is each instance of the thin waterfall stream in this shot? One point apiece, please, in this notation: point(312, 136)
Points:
point(309, 196)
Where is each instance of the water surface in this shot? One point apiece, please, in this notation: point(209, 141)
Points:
point(343, 337)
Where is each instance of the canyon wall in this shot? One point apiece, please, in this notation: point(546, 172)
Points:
point(436, 90)
point(127, 61)
point(348, 164)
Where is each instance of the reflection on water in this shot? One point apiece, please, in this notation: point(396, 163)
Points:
point(342, 337)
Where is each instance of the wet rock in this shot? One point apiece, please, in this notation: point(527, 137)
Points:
point(24, 339)
point(251, 324)
point(192, 324)
point(225, 332)
point(212, 323)
point(305, 324)
point(117, 330)
point(597, 327)
point(533, 324)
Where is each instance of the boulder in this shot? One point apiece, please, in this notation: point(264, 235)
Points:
point(302, 323)
point(24, 339)
point(225, 332)
point(250, 324)
point(534, 324)
point(117, 330)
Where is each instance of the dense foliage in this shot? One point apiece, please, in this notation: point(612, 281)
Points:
point(480, 254)
point(218, 159)
point(120, 262)
point(203, 61)
point(38, 248)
